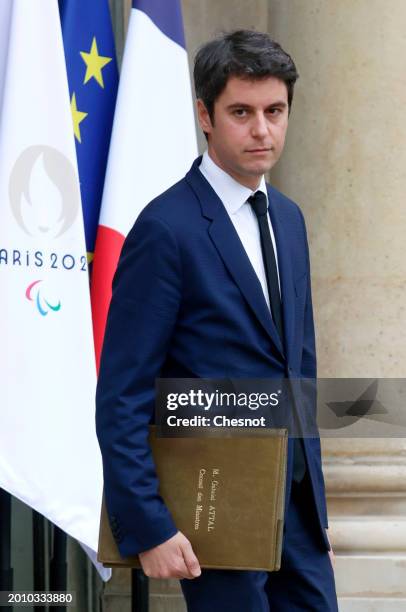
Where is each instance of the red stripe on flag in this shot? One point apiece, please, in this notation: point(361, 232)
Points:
point(107, 252)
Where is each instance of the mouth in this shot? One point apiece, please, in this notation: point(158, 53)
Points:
point(259, 150)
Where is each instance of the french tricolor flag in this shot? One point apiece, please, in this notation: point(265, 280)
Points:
point(153, 140)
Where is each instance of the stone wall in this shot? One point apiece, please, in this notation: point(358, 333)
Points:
point(344, 163)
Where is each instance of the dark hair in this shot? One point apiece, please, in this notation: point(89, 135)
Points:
point(242, 53)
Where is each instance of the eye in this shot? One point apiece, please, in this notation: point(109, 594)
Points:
point(275, 111)
point(240, 112)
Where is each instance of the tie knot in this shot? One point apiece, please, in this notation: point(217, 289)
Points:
point(259, 203)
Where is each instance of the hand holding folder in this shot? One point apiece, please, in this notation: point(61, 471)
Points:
point(226, 493)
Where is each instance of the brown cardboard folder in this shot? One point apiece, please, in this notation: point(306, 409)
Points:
point(226, 493)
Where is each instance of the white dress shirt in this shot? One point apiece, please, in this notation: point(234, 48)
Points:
point(234, 196)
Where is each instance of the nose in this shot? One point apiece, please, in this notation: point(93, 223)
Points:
point(259, 128)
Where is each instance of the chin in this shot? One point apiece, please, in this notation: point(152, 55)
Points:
point(259, 169)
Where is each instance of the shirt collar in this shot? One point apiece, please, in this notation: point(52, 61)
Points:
point(231, 192)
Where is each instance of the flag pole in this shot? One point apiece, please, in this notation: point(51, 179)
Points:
point(38, 545)
point(58, 566)
point(6, 572)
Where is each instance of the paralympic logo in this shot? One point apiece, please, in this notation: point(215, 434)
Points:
point(42, 304)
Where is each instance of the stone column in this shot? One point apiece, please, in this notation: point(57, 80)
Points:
point(203, 20)
point(344, 163)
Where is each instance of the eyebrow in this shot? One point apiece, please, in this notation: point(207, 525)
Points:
point(278, 103)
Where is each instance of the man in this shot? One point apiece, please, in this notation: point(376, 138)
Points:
point(214, 281)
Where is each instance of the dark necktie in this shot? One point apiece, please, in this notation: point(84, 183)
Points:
point(259, 205)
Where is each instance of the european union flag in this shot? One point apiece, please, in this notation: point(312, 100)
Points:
point(93, 79)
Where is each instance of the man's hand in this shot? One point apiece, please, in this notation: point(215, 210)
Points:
point(171, 559)
point(330, 552)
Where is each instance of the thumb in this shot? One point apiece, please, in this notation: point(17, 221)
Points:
point(191, 560)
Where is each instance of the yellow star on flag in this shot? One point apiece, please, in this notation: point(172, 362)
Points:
point(77, 117)
point(94, 63)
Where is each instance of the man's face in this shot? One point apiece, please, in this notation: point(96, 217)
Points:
point(247, 135)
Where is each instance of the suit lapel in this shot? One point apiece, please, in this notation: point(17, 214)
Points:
point(285, 272)
point(231, 250)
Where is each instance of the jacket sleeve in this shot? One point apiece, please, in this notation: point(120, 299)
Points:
point(141, 319)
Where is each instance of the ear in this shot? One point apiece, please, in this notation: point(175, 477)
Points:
point(203, 117)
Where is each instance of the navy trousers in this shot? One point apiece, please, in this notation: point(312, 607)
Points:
point(305, 581)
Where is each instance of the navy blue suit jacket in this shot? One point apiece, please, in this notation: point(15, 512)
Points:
point(187, 303)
